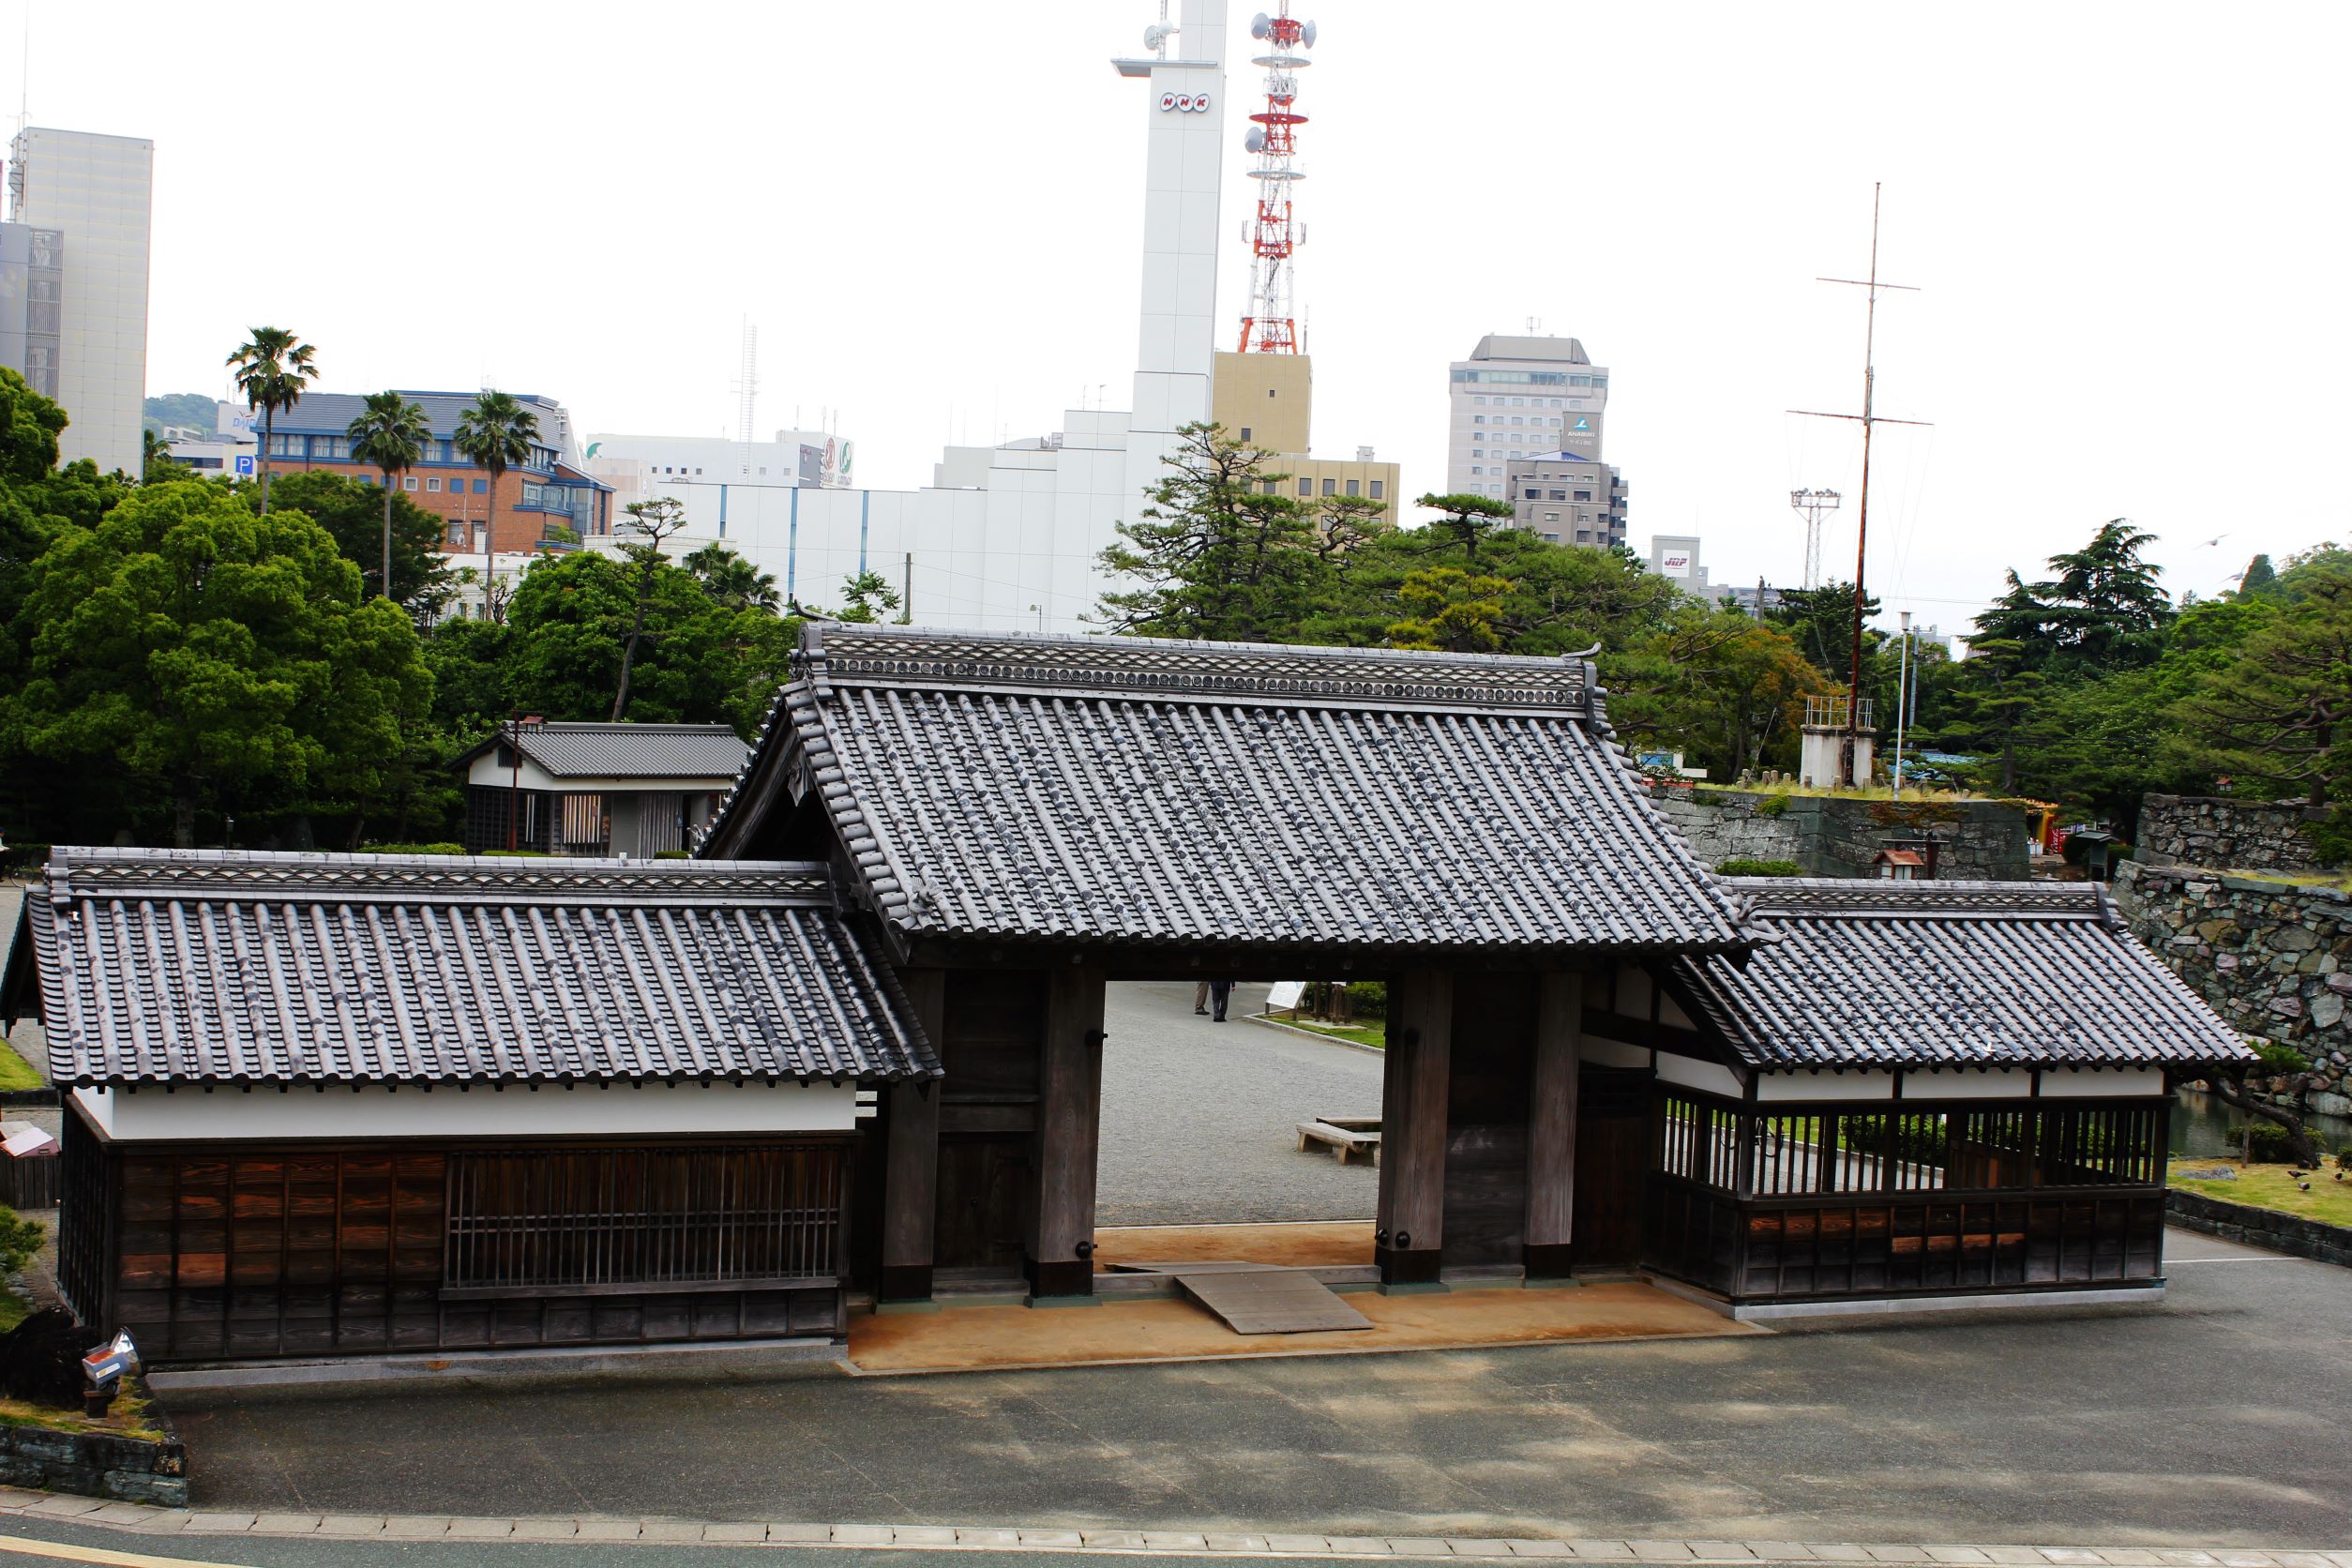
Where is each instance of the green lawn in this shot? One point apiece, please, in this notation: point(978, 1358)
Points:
point(2268, 1186)
point(1375, 1036)
point(15, 1071)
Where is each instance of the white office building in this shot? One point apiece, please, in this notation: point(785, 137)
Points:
point(1008, 537)
point(1520, 399)
point(84, 204)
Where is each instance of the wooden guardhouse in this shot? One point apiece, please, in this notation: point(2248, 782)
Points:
point(334, 1104)
point(628, 791)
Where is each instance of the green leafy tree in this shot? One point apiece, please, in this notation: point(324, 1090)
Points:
point(2102, 610)
point(188, 651)
point(390, 433)
point(1997, 703)
point(274, 368)
point(1449, 609)
point(866, 597)
point(2257, 577)
point(1464, 522)
point(495, 434)
point(158, 464)
point(1220, 552)
point(352, 512)
point(2277, 715)
point(733, 582)
point(651, 521)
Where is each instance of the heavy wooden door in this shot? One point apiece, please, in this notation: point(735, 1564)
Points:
point(984, 1186)
point(1612, 1164)
point(995, 1021)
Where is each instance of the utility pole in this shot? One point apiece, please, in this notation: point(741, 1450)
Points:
point(1902, 684)
point(1866, 419)
point(906, 593)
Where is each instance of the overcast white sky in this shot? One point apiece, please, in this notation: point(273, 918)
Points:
point(2128, 221)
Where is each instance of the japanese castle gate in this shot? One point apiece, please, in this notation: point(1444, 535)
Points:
point(335, 1105)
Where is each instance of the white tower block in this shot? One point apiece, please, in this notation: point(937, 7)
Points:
point(1184, 110)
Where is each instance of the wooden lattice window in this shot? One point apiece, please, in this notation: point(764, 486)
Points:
point(618, 1219)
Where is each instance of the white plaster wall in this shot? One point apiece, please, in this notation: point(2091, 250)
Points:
point(373, 1111)
point(1707, 1077)
point(1826, 1086)
point(2100, 1082)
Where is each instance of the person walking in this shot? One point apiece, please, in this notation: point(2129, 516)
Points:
point(1201, 999)
point(1220, 992)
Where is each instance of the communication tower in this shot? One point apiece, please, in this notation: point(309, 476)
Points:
point(748, 383)
point(1813, 503)
point(1273, 137)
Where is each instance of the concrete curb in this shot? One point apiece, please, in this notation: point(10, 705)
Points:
point(134, 1519)
point(1315, 1036)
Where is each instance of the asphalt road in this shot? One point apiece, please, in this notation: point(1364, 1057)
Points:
point(1201, 1119)
point(2218, 1416)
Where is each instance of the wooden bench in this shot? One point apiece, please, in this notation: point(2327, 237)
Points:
point(1348, 1135)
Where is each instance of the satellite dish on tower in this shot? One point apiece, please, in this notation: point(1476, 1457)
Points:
point(1260, 25)
point(1306, 35)
point(1155, 37)
point(1256, 140)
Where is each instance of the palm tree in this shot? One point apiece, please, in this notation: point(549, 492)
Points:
point(494, 434)
point(390, 432)
point(273, 369)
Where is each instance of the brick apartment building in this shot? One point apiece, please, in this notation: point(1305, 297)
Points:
point(548, 491)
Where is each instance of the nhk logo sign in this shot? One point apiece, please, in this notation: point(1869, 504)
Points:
point(1183, 103)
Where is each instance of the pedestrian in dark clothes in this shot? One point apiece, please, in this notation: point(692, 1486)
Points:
point(1220, 992)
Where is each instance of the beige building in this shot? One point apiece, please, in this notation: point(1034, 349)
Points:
point(1268, 399)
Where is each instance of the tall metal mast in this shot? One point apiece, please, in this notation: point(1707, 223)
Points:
point(1862, 532)
point(1273, 137)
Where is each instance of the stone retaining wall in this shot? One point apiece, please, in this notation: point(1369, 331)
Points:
point(2244, 834)
point(1982, 841)
point(2274, 959)
point(95, 1465)
point(2263, 1228)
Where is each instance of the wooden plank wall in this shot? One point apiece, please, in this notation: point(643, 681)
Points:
point(287, 1251)
point(1485, 1146)
point(990, 1046)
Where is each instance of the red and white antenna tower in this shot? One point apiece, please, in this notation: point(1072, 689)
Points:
point(1273, 137)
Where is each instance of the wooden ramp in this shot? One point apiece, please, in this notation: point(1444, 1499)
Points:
point(1262, 1298)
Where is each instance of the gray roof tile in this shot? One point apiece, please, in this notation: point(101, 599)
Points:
point(1879, 973)
point(682, 751)
point(187, 966)
point(1127, 790)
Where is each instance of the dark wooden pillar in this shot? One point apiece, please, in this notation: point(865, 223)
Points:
point(911, 1161)
point(1061, 1248)
point(1416, 1076)
point(1551, 1122)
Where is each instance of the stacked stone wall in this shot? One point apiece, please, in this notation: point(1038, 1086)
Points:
point(2274, 959)
point(2231, 834)
point(1982, 840)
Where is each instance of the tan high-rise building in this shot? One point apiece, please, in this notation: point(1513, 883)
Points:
point(1268, 399)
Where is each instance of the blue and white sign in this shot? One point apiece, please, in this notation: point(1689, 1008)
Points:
point(244, 467)
point(109, 1361)
point(1582, 424)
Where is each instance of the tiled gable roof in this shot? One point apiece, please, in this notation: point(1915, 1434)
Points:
point(1133, 790)
point(585, 750)
point(210, 966)
point(1888, 973)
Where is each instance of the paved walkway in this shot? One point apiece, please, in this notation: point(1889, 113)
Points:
point(217, 1531)
point(2215, 1418)
point(1200, 1118)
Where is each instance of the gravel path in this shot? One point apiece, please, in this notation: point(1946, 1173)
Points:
point(1199, 1117)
